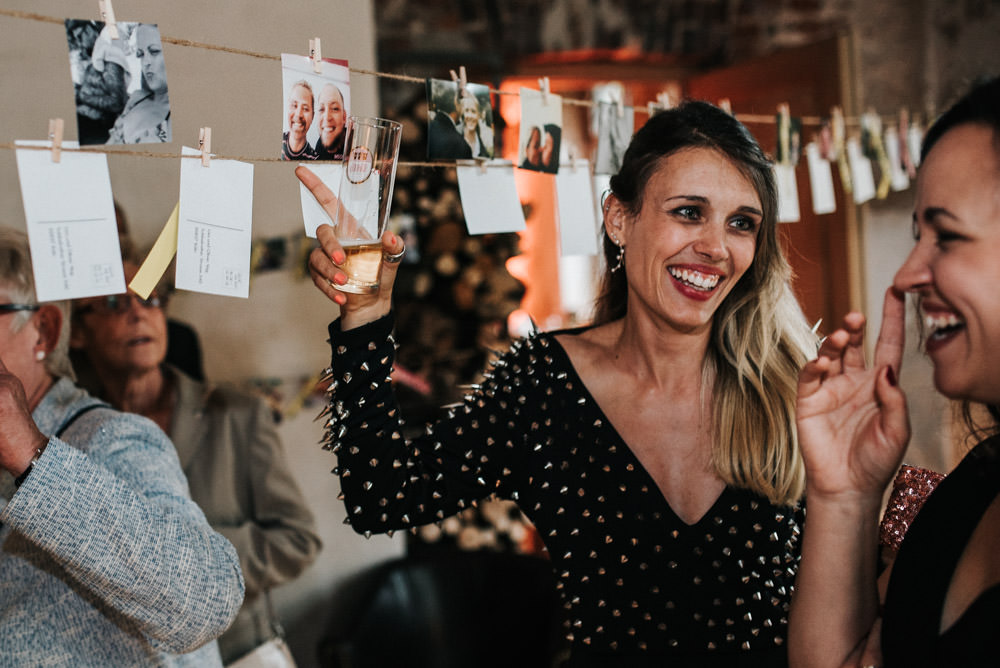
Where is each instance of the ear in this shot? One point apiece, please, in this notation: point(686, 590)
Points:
point(615, 219)
point(50, 320)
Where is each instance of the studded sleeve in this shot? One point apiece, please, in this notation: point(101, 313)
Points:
point(389, 482)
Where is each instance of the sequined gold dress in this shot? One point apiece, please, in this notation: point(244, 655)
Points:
point(637, 583)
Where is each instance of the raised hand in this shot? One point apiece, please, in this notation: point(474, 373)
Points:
point(19, 436)
point(325, 262)
point(852, 421)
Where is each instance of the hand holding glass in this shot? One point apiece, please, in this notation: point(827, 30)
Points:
point(371, 149)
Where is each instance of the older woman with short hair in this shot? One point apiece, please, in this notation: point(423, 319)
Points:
point(106, 559)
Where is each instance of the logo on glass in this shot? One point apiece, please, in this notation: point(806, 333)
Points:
point(359, 164)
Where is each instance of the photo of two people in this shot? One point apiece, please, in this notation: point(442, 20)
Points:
point(540, 137)
point(459, 121)
point(316, 108)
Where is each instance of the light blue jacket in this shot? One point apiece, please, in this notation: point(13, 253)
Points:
point(104, 559)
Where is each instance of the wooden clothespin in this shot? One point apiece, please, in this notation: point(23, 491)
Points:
point(56, 137)
point(108, 16)
point(316, 55)
point(726, 105)
point(784, 132)
point(460, 81)
point(839, 130)
point(205, 144)
point(482, 162)
point(571, 155)
point(543, 86)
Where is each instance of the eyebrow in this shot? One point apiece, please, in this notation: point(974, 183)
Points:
point(934, 212)
point(705, 200)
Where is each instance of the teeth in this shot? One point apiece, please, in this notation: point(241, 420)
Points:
point(934, 323)
point(695, 278)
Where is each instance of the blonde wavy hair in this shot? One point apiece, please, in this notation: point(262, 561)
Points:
point(760, 337)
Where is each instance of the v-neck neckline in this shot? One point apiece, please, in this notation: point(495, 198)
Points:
point(606, 422)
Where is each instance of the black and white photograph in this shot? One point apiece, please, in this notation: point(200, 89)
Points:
point(459, 121)
point(316, 108)
point(119, 85)
point(615, 126)
point(540, 137)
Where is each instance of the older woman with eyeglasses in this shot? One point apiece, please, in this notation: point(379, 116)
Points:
point(105, 559)
point(226, 440)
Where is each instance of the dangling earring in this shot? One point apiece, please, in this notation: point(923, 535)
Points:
point(621, 254)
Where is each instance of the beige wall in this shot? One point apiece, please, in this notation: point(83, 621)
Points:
point(280, 330)
point(920, 55)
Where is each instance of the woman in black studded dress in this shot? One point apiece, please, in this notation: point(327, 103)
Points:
point(654, 450)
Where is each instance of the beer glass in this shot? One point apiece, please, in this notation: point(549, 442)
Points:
point(371, 150)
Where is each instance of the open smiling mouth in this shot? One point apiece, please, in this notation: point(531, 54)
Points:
point(695, 279)
point(940, 327)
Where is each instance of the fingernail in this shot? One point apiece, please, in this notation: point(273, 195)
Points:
point(339, 257)
point(890, 376)
point(340, 279)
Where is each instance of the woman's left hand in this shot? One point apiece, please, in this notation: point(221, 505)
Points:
point(852, 420)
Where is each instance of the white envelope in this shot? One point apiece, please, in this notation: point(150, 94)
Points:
point(788, 194)
point(820, 181)
point(70, 216)
point(862, 176)
point(578, 231)
point(213, 233)
point(489, 197)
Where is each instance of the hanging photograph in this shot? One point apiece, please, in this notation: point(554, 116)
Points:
point(317, 105)
point(540, 137)
point(615, 128)
point(119, 85)
point(459, 122)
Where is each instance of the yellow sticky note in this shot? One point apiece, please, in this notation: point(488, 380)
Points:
point(159, 258)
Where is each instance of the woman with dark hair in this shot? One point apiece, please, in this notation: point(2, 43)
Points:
point(942, 600)
point(146, 117)
point(550, 148)
point(654, 450)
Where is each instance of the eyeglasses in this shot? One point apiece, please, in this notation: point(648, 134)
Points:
point(121, 303)
point(10, 308)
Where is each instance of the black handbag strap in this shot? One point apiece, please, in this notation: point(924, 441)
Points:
point(86, 409)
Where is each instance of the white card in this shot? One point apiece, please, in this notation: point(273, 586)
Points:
point(489, 197)
point(577, 225)
point(820, 181)
point(70, 215)
point(862, 176)
point(213, 234)
point(788, 194)
point(898, 179)
point(314, 215)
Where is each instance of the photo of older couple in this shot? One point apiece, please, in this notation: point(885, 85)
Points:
point(316, 108)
